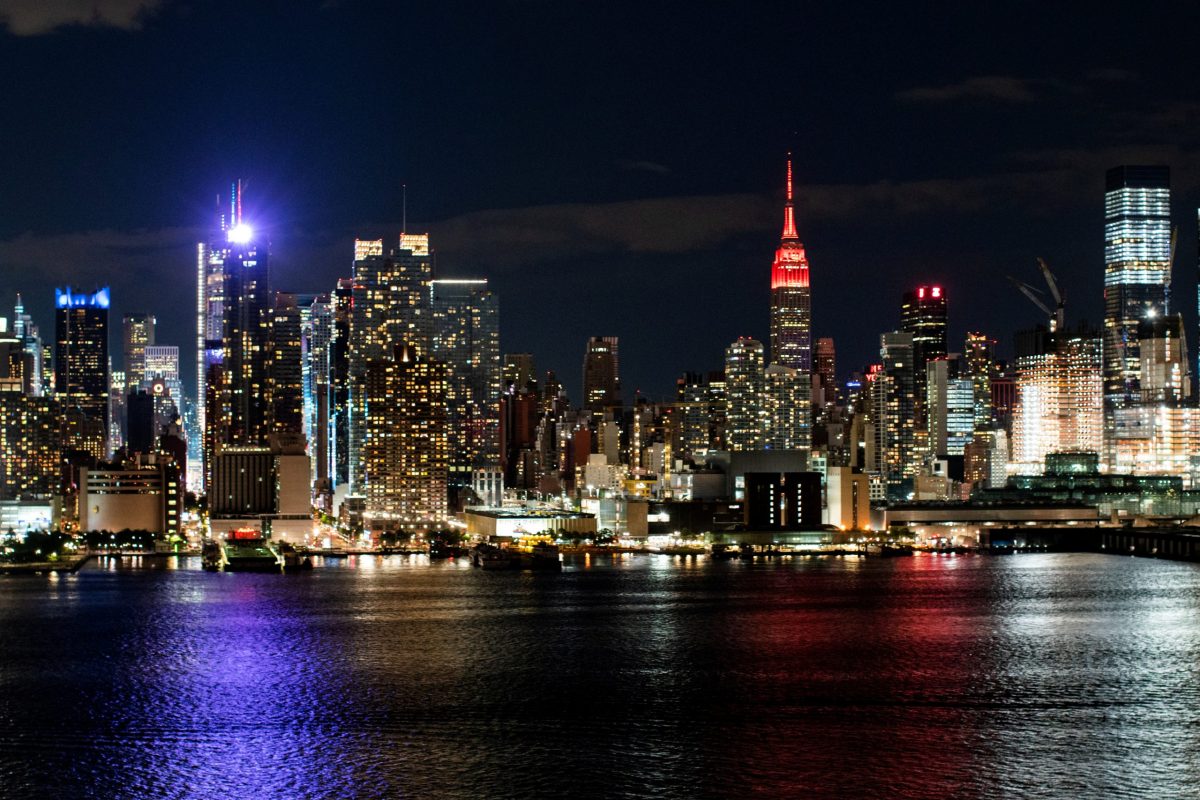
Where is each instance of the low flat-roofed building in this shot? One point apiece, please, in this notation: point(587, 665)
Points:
point(22, 516)
point(963, 521)
point(517, 522)
point(663, 517)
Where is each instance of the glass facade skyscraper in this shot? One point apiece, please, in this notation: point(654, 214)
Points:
point(1137, 269)
point(81, 377)
point(923, 314)
point(466, 338)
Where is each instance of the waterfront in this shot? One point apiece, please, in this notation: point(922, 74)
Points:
point(1046, 675)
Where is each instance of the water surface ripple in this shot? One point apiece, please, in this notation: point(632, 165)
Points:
point(1058, 675)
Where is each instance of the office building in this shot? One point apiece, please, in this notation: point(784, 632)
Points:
point(923, 314)
point(1137, 270)
point(390, 307)
point(210, 331)
point(466, 339)
point(288, 362)
point(81, 378)
point(893, 403)
point(320, 332)
point(138, 334)
point(339, 381)
point(601, 374)
point(1164, 374)
point(36, 378)
point(950, 400)
point(979, 365)
point(247, 347)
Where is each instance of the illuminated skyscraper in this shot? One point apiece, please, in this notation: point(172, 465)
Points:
point(826, 366)
point(81, 368)
point(466, 339)
point(339, 380)
point(138, 334)
point(32, 445)
point(786, 416)
point(892, 409)
point(980, 365)
point(518, 371)
point(1165, 372)
point(210, 333)
point(923, 314)
point(162, 382)
point(320, 333)
point(247, 396)
point(1060, 405)
point(405, 450)
point(601, 374)
point(744, 383)
point(791, 296)
point(288, 365)
point(37, 380)
point(1137, 269)
point(950, 400)
point(390, 307)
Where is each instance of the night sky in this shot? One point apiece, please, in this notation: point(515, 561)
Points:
point(613, 169)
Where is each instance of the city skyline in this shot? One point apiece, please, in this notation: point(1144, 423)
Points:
point(971, 164)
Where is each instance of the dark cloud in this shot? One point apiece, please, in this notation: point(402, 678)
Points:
point(644, 166)
point(988, 87)
point(510, 237)
point(37, 17)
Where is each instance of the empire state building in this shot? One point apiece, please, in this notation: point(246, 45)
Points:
point(791, 297)
point(787, 395)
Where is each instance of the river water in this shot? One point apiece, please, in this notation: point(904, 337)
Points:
point(1055, 675)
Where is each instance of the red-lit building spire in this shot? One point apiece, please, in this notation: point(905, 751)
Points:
point(789, 208)
point(791, 263)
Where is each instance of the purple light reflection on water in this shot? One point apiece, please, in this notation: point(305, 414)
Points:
point(1025, 676)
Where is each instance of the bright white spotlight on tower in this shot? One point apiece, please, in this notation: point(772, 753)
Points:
point(240, 233)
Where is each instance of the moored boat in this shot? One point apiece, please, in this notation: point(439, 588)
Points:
point(246, 550)
point(542, 555)
point(489, 556)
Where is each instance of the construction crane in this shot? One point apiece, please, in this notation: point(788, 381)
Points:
point(1057, 315)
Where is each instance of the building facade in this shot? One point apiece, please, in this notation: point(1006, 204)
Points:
point(1137, 270)
point(81, 364)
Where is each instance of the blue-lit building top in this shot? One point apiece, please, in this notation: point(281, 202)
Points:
point(68, 298)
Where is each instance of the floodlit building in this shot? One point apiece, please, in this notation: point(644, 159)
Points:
point(147, 497)
point(1060, 404)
